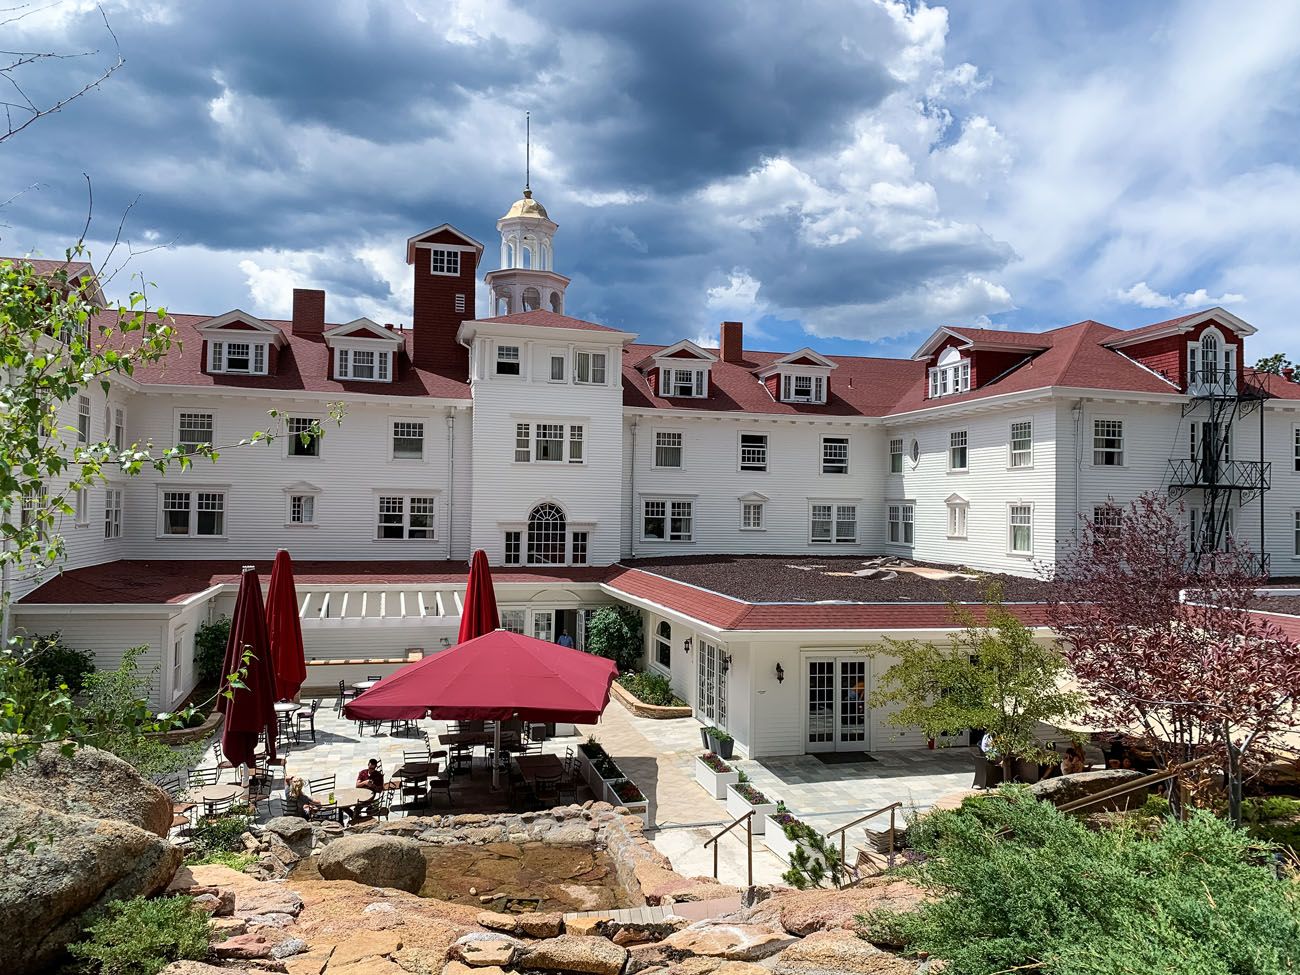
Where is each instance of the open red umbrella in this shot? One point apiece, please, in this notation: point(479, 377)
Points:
point(284, 628)
point(251, 708)
point(479, 614)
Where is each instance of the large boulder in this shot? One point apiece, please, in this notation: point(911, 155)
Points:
point(801, 912)
point(838, 953)
point(378, 861)
point(90, 783)
point(1061, 789)
point(62, 866)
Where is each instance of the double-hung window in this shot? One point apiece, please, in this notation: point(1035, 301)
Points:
point(193, 430)
point(406, 516)
point(1108, 443)
point(193, 513)
point(664, 644)
point(81, 508)
point(558, 361)
point(1297, 533)
point(1107, 520)
point(837, 523)
point(589, 368)
point(365, 365)
point(751, 515)
point(835, 455)
point(302, 441)
point(83, 419)
point(113, 513)
point(550, 443)
point(1296, 453)
point(803, 389)
point(753, 451)
point(896, 456)
point(668, 449)
point(667, 519)
point(901, 520)
point(948, 379)
point(507, 360)
point(408, 440)
point(119, 429)
point(682, 382)
point(443, 261)
point(1022, 443)
point(1020, 529)
point(958, 458)
point(578, 547)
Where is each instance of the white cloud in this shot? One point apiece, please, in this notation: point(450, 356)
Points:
point(1145, 296)
point(981, 153)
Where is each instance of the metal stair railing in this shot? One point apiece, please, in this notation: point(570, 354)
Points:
point(747, 819)
point(892, 809)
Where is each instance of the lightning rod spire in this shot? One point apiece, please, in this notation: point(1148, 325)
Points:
point(528, 153)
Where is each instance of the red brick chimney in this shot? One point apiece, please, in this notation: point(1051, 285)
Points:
point(733, 342)
point(308, 311)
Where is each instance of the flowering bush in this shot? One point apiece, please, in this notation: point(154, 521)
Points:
point(626, 790)
point(750, 794)
point(714, 763)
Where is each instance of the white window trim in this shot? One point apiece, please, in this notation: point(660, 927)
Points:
point(81, 506)
point(424, 450)
point(1011, 550)
point(835, 504)
point(84, 430)
point(176, 421)
point(290, 437)
point(1295, 448)
point(913, 447)
point(902, 456)
point(668, 500)
point(762, 515)
point(193, 490)
point(966, 445)
point(406, 494)
point(699, 385)
point(458, 249)
point(954, 374)
point(900, 503)
point(590, 353)
point(654, 449)
point(221, 344)
point(767, 452)
point(1295, 534)
point(109, 489)
point(1011, 465)
point(301, 489)
point(952, 503)
point(848, 455)
point(351, 346)
point(521, 348)
point(652, 651)
point(787, 375)
point(567, 423)
point(1090, 431)
point(563, 356)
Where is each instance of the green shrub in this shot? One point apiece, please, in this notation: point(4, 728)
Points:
point(614, 632)
point(235, 861)
point(210, 651)
point(221, 834)
point(53, 662)
point(1020, 886)
point(650, 688)
point(143, 936)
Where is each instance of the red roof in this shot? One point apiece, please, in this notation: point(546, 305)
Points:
point(1030, 340)
point(548, 319)
point(1154, 327)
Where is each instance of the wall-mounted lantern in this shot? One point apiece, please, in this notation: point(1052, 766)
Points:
point(686, 645)
point(780, 674)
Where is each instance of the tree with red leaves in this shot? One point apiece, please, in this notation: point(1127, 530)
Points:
point(1170, 650)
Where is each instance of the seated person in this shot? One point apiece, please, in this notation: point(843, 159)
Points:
point(297, 804)
point(1073, 761)
point(370, 777)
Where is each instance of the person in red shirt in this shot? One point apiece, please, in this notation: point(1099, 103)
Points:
point(371, 777)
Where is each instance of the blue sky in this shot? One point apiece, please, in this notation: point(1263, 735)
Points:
point(850, 177)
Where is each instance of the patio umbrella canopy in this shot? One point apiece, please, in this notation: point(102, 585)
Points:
point(479, 614)
point(250, 709)
point(497, 676)
point(284, 629)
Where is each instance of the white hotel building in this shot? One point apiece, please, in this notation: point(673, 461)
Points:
point(729, 494)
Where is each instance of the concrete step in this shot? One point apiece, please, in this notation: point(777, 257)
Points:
point(692, 911)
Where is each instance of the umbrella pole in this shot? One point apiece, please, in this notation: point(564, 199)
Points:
point(496, 755)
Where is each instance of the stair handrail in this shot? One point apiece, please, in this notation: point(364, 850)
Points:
point(843, 830)
point(748, 820)
point(1114, 792)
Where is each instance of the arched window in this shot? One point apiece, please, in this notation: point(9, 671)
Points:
point(547, 535)
point(557, 303)
point(1210, 357)
point(664, 644)
point(532, 299)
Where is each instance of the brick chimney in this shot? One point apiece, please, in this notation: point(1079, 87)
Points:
point(308, 311)
point(733, 342)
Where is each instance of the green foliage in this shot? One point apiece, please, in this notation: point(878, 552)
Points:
point(614, 632)
point(221, 834)
point(235, 861)
point(814, 862)
point(143, 936)
point(717, 734)
point(31, 712)
point(650, 688)
point(1273, 364)
point(994, 676)
point(210, 650)
point(54, 662)
point(1018, 885)
point(1275, 819)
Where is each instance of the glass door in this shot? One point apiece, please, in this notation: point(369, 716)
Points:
point(544, 624)
point(711, 691)
point(835, 690)
point(851, 726)
point(820, 684)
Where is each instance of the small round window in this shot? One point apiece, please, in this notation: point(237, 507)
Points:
point(915, 452)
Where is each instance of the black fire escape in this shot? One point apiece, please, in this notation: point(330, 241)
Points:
point(1214, 481)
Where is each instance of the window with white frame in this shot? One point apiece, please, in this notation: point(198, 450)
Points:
point(558, 362)
point(514, 620)
point(406, 516)
point(302, 509)
point(177, 657)
point(901, 520)
point(751, 515)
point(914, 451)
point(1022, 443)
point(81, 506)
point(896, 456)
point(1297, 534)
point(1020, 529)
point(113, 513)
point(958, 458)
point(951, 375)
point(578, 547)
point(835, 455)
point(1108, 443)
point(803, 389)
point(550, 443)
point(664, 645)
point(443, 261)
point(119, 429)
point(507, 360)
point(668, 448)
point(514, 550)
point(364, 365)
point(753, 451)
point(957, 512)
point(83, 419)
point(1107, 520)
point(408, 440)
point(237, 357)
point(835, 523)
point(1296, 454)
point(303, 442)
point(193, 430)
point(33, 504)
point(686, 383)
point(548, 535)
point(589, 368)
point(193, 513)
point(667, 519)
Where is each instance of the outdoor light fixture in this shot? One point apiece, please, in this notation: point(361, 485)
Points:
point(780, 674)
point(726, 662)
point(686, 645)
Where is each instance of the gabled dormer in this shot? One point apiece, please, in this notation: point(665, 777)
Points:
point(240, 344)
point(800, 377)
point(680, 371)
point(363, 351)
point(961, 359)
point(1201, 354)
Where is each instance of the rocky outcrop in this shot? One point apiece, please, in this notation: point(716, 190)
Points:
point(380, 861)
point(62, 866)
point(1066, 788)
point(838, 953)
point(90, 783)
point(801, 912)
point(569, 953)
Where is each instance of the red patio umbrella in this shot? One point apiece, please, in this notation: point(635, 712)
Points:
point(479, 614)
point(284, 628)
point(250, 709)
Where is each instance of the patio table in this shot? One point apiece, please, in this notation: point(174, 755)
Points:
point(471, 738)
point(287, 707)
point(347, 798)
point(364, 685)
point(539, 766)
point(416, 771)
point(210, 795)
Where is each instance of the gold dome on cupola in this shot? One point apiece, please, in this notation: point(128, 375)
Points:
point(526, 207)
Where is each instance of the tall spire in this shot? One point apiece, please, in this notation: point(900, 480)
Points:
point(528, 154)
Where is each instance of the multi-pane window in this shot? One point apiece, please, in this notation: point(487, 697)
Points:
point(547, 535)
point(1297, 448)
point(896, 456)
point(957, 519)
point(664, 644)
point(245, 357)
point(957, 451)
point(514, 620)
point(753, 451)
point(558, 360)
point(836, 523)
point(514, 551)
point(119, 429)
point(33, 503)
point(193, 430)
point(406, 516)
point(1108, 443)
point(302, 509)
point(1021, 529)
point(507, 360)
point(946, 380)
point(113, 513)
point(803, 389)
point(523, 443)
point(835, 455)
point(302, 441)
point(194, 513)
point(751, 514)
point(81, 506)
point(366, 365)
point(443, 261)
point(408, 439)
point(1107, 520)
point(578, 548)
point(363, 364)
point(589, 368)
point(1022, 443)
point(238, 357)
point(83, 419)
point(575, 443)
point(682, 382)
point(668, 448)
point(901, 520)
point(550, 443)
point(667, 520)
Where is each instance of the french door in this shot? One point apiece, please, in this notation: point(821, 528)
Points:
point(544, 624)
point(711, 692)
point(835, 695)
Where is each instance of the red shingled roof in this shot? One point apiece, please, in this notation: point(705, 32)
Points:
point(1030, 340)
point(1134, 333)
point(548, 319)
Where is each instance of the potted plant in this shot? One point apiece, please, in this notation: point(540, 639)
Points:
point(720, 743)
point(714, 775)
point(783, 833)
point(704, 737)
point(743, 797)
point(624, 792)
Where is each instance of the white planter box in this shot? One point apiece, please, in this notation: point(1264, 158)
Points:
point(714, 783)
point(641, 809)
point(774, 839)
point(738, 805)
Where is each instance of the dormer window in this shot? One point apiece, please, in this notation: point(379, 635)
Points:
point(507, 360)
point(800, 377)
point(1211, 363)
point(365, 365)
point(803, 389)
point(683, 370)
point(687, 383)
point(248, 358)
point(951, 375)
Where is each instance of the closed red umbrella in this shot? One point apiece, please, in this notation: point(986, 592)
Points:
point(284, 628)
point(479, 614)
point(250, 709)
